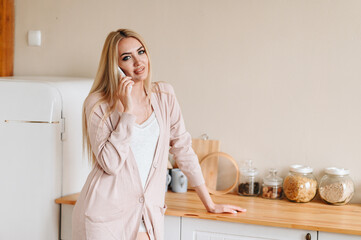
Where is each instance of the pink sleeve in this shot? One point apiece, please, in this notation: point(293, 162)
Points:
point(110, 146)
point(181, 144)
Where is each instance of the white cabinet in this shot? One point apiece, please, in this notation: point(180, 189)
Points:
point(337, 236)
point(66, 216)
point(172, 226)
point(201, 229)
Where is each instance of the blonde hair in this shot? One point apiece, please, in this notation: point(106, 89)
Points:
point(107, 79)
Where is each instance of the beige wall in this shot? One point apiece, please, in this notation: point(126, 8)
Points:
point(275, 81)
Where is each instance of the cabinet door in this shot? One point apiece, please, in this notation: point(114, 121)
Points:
point(200, 229)
point(66, 218)
point(337, 236)
point(172, 227)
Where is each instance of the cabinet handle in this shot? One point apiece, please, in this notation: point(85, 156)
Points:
point(308, 236)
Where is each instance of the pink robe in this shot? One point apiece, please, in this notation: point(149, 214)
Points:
point(113, 201)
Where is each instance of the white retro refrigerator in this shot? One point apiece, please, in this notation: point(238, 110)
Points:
point(40, 152)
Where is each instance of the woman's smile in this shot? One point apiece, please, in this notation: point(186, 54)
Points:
point(139, 70)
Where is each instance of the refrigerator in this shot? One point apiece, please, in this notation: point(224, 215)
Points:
point(41, 154)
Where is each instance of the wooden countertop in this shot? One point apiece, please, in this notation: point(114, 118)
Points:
point(314, 215)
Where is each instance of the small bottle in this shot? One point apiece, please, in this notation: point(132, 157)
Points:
point(272, 185)
point(336, 186)
point(300, 185)
point(249, 182)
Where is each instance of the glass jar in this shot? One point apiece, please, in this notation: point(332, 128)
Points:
point(272, 185)
point(300, 185)
point(249, 183)
point(336, 186)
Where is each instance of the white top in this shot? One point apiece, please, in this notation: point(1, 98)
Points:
point(143, 143)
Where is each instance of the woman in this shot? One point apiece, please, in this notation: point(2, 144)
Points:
point(130, 126)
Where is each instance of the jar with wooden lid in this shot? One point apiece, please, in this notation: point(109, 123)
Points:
point(300, 185)
point(249, 184)
point(336, 186)
point(272, 185)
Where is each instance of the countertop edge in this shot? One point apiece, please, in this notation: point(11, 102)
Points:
point(198, 211)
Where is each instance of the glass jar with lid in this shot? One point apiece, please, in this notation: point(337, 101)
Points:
point(249, 184)
point(300, 185)
point(336, 186)
point(272, 185)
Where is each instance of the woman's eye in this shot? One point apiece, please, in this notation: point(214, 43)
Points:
point(141, 52)
point(126, 58)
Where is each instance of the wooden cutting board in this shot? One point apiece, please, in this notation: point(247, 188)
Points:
point(202, 148)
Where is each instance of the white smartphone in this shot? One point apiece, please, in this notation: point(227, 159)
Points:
point(122, 74)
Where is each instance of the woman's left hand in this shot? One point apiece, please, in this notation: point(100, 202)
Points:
point(225, 208)
point(213, 207)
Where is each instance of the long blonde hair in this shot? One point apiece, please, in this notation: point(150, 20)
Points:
point(107, 79)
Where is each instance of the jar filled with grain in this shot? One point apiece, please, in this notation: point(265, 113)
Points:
point(249, 184)
point(336, 186)
point(272, 185)
point(300, 185)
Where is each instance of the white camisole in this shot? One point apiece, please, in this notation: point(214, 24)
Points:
point(143, 143)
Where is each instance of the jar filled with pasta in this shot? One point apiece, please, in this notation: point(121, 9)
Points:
point(336, 186)
point(300, 185)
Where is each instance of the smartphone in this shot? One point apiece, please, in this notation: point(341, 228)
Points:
point(122, 74)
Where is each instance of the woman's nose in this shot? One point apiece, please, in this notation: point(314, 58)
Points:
point(136, 61)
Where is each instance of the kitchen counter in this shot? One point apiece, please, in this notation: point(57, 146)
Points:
point(314, 215)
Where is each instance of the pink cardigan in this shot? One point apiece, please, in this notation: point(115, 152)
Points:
point(113, 201)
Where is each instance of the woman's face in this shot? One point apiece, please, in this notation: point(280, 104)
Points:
point(133, 59)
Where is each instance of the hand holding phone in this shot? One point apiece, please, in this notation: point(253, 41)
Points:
point(125, 90)
point(122, 74)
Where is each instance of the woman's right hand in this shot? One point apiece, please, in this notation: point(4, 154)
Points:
point(125, 88)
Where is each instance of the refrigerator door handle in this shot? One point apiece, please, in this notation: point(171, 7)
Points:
point(62, 129)
point(28, 121)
